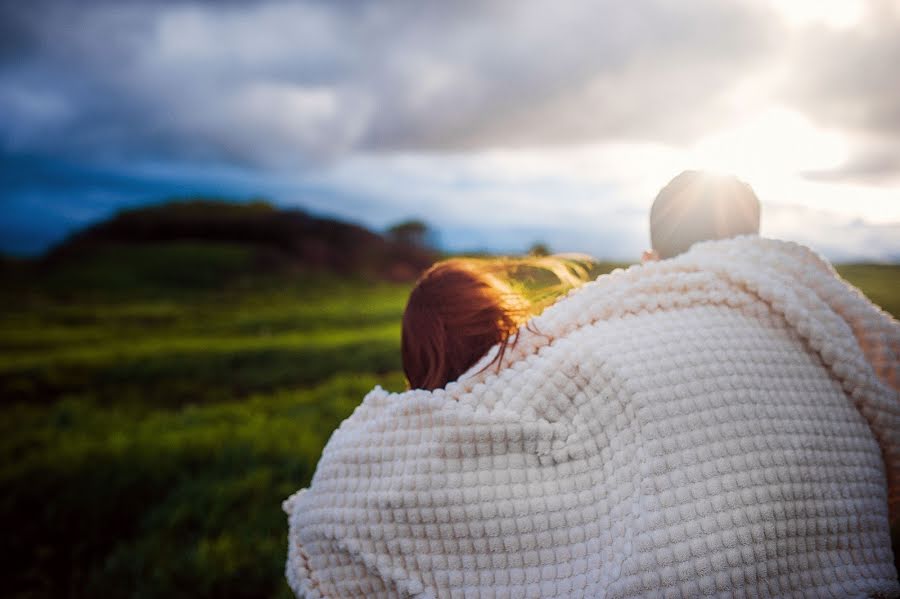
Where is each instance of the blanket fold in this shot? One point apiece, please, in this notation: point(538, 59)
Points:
point(723, 422)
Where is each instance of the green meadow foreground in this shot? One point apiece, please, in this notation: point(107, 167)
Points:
point(156, 414)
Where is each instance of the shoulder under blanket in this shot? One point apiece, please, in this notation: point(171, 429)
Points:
point(720, 423)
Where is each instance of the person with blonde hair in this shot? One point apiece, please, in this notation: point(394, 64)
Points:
point(700, 206)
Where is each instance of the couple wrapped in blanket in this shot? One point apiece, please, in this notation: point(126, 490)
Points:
point(721, 422)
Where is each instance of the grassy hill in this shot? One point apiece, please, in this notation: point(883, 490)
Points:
point(162, 396)
point(226, 239)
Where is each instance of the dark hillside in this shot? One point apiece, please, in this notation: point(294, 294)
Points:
point(279, 237)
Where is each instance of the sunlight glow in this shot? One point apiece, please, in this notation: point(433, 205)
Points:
point(773, 143)
point(838, 14)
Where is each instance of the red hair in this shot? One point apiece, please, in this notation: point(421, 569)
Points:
point(455, 314)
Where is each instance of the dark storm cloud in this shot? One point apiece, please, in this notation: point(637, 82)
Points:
point(848, 79)
point(287, 84)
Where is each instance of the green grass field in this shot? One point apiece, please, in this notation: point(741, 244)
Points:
point(153, 421)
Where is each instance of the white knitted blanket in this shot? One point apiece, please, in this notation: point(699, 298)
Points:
point(715, 424)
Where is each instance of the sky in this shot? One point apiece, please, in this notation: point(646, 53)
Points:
point(499, 123)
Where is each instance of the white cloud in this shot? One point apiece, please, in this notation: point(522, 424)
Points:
point(846, 78)
point(839, 238)
point(838, 14)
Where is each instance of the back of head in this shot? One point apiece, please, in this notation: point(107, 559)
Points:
point(697, 206)
point(455, 313)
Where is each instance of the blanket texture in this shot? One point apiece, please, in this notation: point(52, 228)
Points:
point(722, 423)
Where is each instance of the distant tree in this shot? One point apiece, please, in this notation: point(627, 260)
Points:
point(415, 233)
point(539, 248)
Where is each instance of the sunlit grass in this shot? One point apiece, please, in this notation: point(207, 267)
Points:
point(149, 434)
point(115, 501)
point(880, 283)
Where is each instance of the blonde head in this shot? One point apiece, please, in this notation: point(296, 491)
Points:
point(697, 206)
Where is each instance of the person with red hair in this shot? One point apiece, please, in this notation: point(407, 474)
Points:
point(460, 308)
